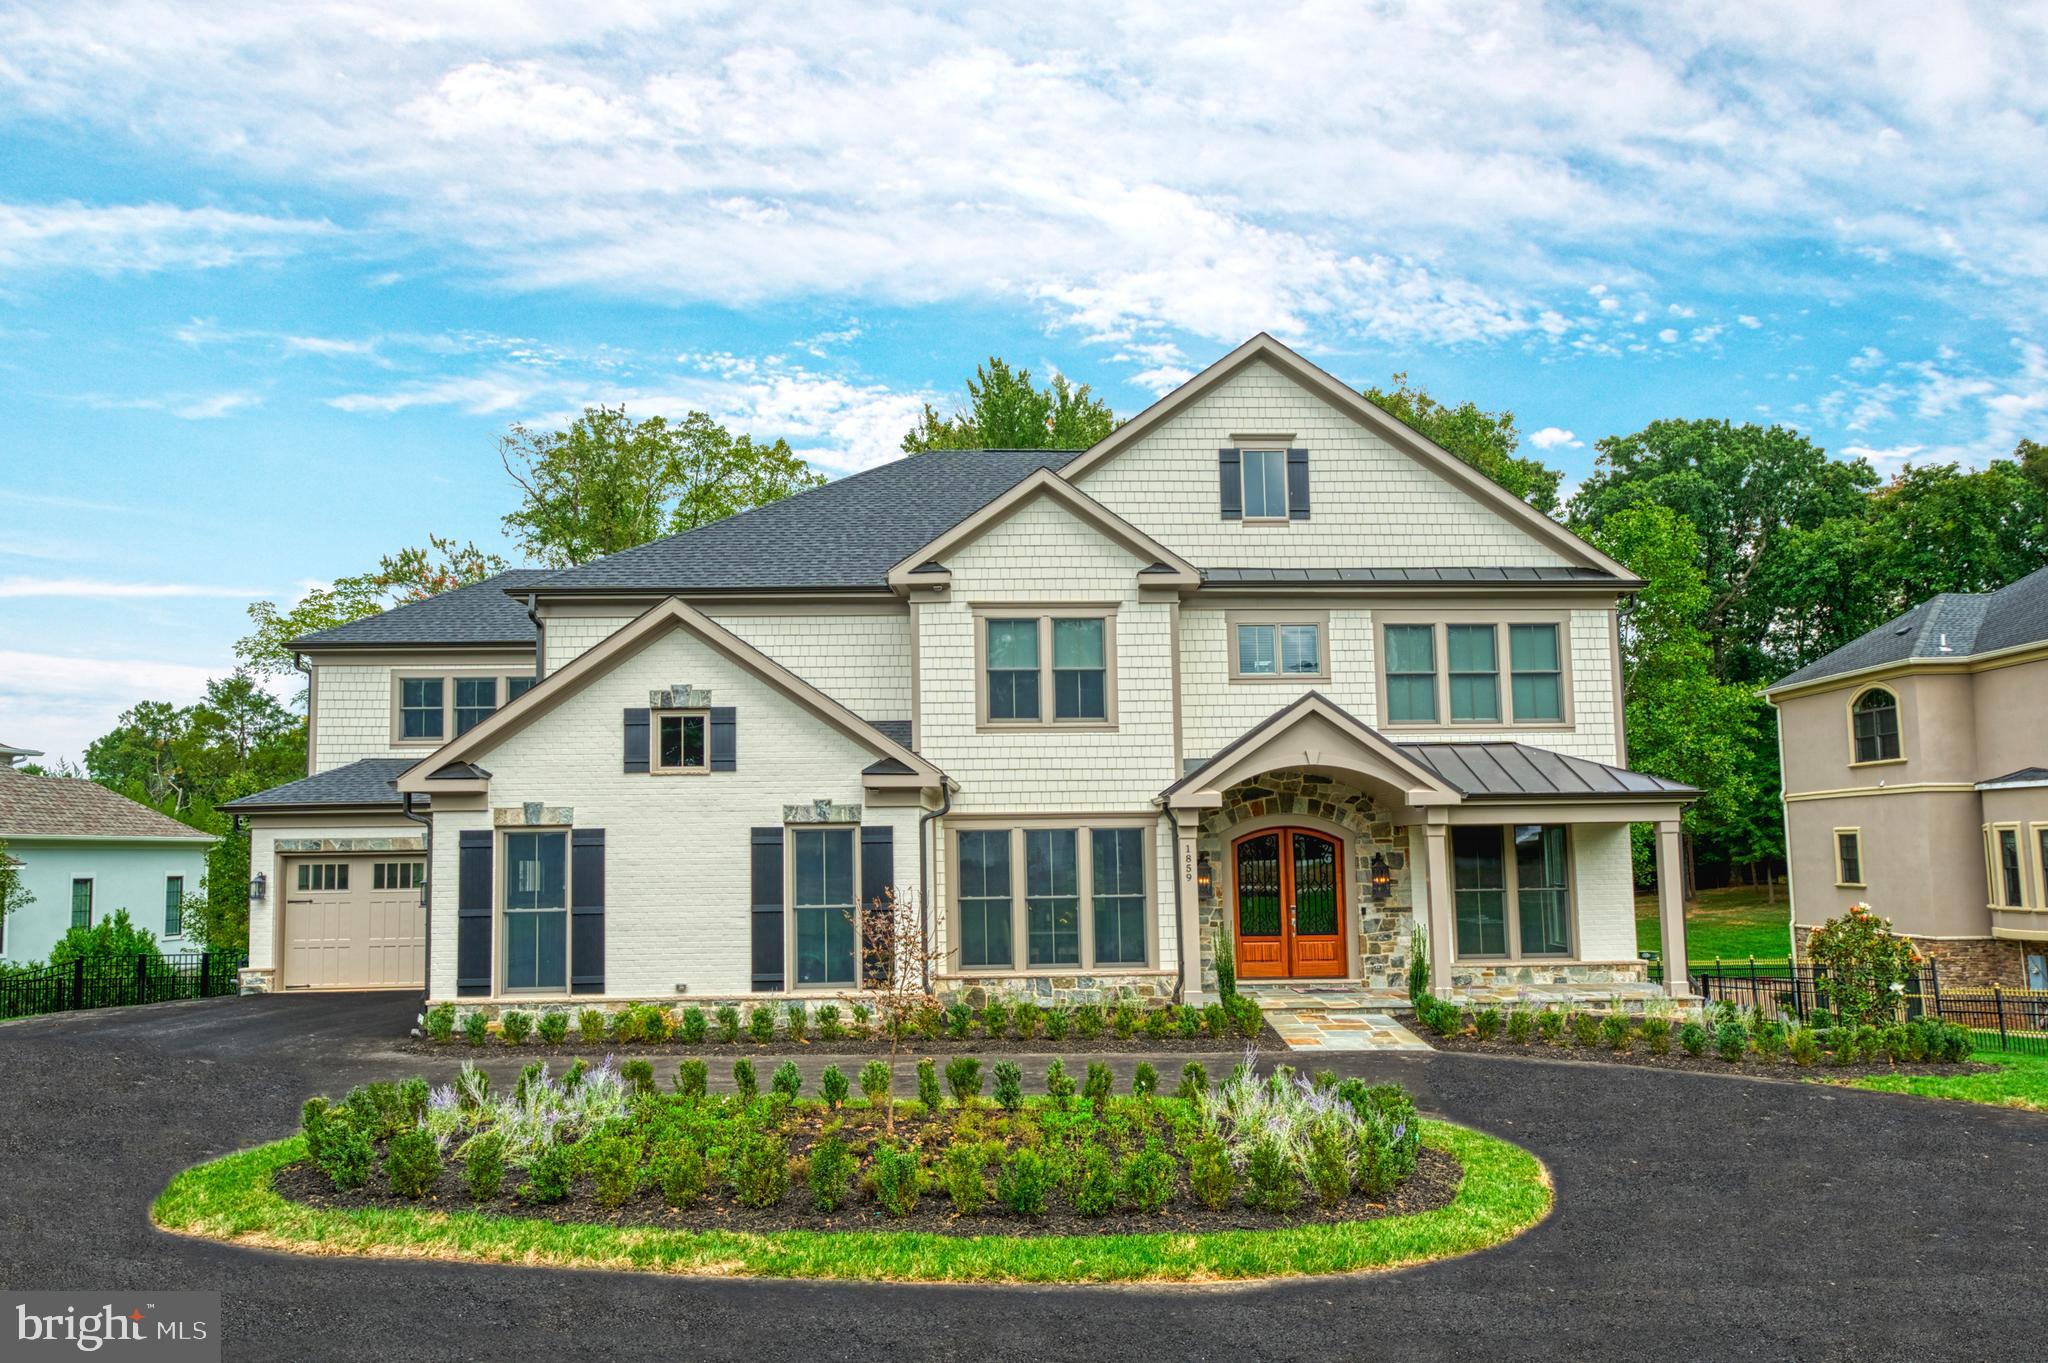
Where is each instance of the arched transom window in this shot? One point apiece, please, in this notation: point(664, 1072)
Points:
point(1874, 721)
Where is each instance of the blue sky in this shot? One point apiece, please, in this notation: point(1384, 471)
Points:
point(273, 280)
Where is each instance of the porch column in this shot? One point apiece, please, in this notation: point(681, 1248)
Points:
point(1442, 908)
point(1187, 824)
point(1671, 910)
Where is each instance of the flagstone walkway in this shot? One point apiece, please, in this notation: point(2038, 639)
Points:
point(1334, 1017)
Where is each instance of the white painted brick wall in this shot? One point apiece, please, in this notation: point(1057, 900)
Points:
point(1604, 890)
point(677, 854)
point(1371, 504)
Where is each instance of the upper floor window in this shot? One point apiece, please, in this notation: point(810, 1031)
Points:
point(1475, 674)
point(2008, 877)
point(475, 700)
point(1018, 687)
point(682, 741)
point(1465, 688)
point(1874, 725)
point(419, 708)
point(1538, 680)
point(1278, 647)
point(1411, 674)
point(431, 707)
point(1265, 485)
point(1263, 482)
point(1849, 856)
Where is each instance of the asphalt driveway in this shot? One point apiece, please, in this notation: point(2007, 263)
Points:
point(1698, 1217)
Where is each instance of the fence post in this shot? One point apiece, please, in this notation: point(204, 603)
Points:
point(1998, 1001)
point(78, 982)
point(1934, 984)
point(205, 974)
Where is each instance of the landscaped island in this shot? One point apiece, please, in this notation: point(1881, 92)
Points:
point(1255, 1175)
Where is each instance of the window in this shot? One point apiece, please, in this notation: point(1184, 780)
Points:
point(536, 911)
point(419, 708)
point(1411, 674)
point(1052, 905)
point(1278, 648)
point(681, 743)
point(1117, 887)
point(2041, 863)
point(2010, 881)
point(1265, 485)
point(1536, 879)
point(823, 903)
point(515, 687)
point(1849, 857)
point(1079, 670)
point(1012, 669)
point(174, 906)
point(476, 699)
point(1536, 674)
point(1055, 666)
point(985, 906)
point(323, 875)
point(398, 875)
point(81, 903)
point(1475, 673)
point(1874, 722)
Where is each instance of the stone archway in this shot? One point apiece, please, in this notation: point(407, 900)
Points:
point(1379, 931)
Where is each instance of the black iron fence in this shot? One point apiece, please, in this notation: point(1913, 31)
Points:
point(2003, 1019)
point(111, 981)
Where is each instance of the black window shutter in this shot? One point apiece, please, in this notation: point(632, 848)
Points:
point(724, 738)
point(636, 740)
point(1297, 485)
point(767, 914)
point(586, 910)
point(473, 912)
point(1230, 484)
point(877, 876)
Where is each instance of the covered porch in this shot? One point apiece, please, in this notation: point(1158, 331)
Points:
point(1312, 849)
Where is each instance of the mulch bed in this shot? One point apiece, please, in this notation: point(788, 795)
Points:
point(1073, 1043)
point(1753, 1067)
point(1432, 1186)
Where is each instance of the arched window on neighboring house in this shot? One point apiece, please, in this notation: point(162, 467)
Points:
point(1874, 722)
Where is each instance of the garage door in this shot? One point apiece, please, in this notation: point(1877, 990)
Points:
point(354, 923)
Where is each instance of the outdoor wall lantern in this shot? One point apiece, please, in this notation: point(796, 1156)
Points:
point(1205, 879)
point(258, 884)
point(1382, 879)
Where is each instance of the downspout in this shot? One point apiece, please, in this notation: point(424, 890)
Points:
point(299, 662)
point(540, 637)
point(426, 824)
point(924, 905)
point(1180, 956)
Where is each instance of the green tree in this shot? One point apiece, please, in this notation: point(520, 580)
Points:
point(177, 758)
point(1485, 440)
point(411, 574)
point(1006, 411)
point(608, 482)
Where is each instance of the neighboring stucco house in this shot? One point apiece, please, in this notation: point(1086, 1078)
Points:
point(1916, 780)
point(1262, 670)
point(85, 852)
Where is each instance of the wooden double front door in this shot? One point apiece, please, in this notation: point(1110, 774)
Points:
point(1289, 884)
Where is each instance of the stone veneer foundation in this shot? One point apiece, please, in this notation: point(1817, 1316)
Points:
point(1380, 931)
point(1965, 962)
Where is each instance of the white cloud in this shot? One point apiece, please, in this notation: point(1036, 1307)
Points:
point(1554, 437)
point(1668, 335)
point(190, 407)
point(1748, 321)
point(140, 238)
point(21, 587)
point(60, 703)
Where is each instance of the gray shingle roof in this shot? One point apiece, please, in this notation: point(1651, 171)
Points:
point(846, 534)
point(72, 807)
point(1950, 625)
point(364, 782)
point(1489, 770)
point(481, 614)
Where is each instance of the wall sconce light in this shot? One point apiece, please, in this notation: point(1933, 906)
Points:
point(1382, 879)
point(1205, 879)
point(258, 885)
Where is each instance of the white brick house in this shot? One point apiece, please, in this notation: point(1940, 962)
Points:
point(1263, 673)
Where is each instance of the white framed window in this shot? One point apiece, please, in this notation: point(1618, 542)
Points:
point(682, 741)
point(1849, 857)
point(1277, 646)
point(1265, 484)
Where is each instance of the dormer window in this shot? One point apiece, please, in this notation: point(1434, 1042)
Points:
point(1874, 726)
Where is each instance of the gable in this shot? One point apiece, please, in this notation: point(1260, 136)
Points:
point(1045, 510)
point(1380, 495)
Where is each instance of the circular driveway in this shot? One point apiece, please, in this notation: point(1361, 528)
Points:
point(1698, 1217)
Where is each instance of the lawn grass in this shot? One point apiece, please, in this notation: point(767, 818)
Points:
point(1504, 1192)
point(2020, 1081)
point(1733, 923)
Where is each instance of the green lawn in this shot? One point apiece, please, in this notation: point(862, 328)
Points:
point(2020, 1081)
point(1733, 924)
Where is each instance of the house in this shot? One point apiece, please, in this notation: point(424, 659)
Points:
point(85, 852)
point(1916, 776)
point(1263, 672)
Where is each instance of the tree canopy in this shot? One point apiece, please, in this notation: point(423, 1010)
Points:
point(608, 482)
point(1485, 440)
point(1005, 410)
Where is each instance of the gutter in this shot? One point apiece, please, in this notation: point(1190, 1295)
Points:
point(426, 824)
point(924, 906)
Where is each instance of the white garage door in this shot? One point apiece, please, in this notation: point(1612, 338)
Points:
point(355, 923)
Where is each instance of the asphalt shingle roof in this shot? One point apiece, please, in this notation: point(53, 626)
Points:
point(848, 533)
point(367, 781)
point(1950, 625)
point(480, 614)
point(71, 807)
